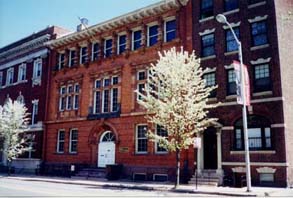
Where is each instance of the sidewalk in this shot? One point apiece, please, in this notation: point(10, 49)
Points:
point(184, 188)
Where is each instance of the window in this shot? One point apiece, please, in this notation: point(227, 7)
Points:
point(231, 44)
point(1, 79)
point(121, 44)
point(73, 141)
point(60, 141)
point(231, 4)
point(231, 86)
point(37, 68)
point(170, 30)
point(259, 33)
point(206, 8)
point(72, 56)
point(9, 76)
point(83, 55)
point(69, 97)
point(136, 39)
point(153, 35)
point(62, 98)
point(141, 80)
point(61, 60)
point(95, 51)
point(108, 48)
point(141, 139)
point(259, 134)
point(21, 72)
point(266, 178)
point(106, 95)
point(262, 80)
point(208, 45)
point(163, 133)
point(35, 111)
point(210, 80)
point(76, 96)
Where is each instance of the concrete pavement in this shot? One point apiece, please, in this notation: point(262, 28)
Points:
point(221, 191)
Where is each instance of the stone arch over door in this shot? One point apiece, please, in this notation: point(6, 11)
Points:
point(96, 134)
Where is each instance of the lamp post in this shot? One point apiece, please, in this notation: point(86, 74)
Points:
point(222, 19)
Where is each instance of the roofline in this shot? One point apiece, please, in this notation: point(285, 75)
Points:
point(155, 8)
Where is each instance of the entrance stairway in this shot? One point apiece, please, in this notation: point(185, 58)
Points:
point(91, 173)
point(206, 178)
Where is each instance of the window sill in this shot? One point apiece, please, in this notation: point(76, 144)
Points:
point(254, 152)
point(257, 4)
point(230, 53)
point(214, 99)
point(231, 11)
point(208, 57)
point(161, 153)
point(264, 93)
point(59, 153)
point(259, 47)
point(206, 19)
point(72, 153)
point(231, 97)
point(145, 153)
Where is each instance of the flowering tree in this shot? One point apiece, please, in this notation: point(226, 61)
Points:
point(13, 122)
point(175, 98)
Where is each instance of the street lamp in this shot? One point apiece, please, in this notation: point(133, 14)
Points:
point(222, 19)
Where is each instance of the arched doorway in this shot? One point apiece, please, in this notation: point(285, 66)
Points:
point(106, 149)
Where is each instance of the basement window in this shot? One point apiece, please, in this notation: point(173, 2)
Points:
point(139, 177)
point(160, 177)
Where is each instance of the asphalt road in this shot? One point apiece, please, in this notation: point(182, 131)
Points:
point(18, 188)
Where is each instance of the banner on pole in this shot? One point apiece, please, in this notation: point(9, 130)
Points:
point(246, 85)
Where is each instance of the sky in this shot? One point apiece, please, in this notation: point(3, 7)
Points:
point(21, 18)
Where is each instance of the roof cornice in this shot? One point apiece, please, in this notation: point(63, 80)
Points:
point(150, 10)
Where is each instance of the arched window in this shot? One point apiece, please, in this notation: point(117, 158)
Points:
point(259, 133)
point(108, 137)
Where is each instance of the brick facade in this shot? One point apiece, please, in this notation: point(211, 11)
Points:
point(270, 154)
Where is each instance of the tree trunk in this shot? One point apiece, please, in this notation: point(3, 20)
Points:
point(177, 168)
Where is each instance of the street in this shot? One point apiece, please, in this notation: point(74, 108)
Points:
point(19, 188)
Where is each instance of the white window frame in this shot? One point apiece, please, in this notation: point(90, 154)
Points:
point(60, 98)
point(165, 27)
point(136, 140)
point(70, 140)
point(10, 71)
point(118, 42)
point(59, 60)
point(69, 95)
point(37, 67)
point(132, 37)
point(148, 32)
point(75, 94)
point(103, 100)
point(112, 97)
point(93, 52)
point(21, 72)
point(35, 110)
point(1, 78)
point(112, 79)
point(95, 91)
point(105, 49)
point(58, 141)
point(82, 55)
point(70, 57)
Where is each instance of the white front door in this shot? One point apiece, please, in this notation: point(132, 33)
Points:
point(106, 154)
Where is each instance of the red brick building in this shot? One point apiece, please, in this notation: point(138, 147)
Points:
point(24, 69)
point(93, 118)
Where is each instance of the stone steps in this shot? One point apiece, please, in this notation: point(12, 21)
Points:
point(206, 178)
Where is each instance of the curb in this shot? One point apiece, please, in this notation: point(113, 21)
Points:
point(136, 187)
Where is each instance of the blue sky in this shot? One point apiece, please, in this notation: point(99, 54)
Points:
point(20, 18)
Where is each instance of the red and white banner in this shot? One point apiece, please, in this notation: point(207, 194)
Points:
point(246, 85)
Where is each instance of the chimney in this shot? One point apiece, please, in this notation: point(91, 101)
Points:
point(83, 24)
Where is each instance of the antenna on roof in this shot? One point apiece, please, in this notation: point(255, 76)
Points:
point(84, 26)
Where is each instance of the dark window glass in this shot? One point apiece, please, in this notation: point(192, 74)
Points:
point(72, 57)
point(231, 5)
point(61, 138)
point(259, 33)
point(142, 141)
point(231, 44)
point(115, 99)
point(61, 60)
point(106, 101)
point(83, 55)
point(153, 35)
point(163, 133)
point(206, 8)
point(115, 80)
point(141, 75)
point(141, 88)
point(210, 80)
point(98, 84)
point(136, 40)
point(262, 80)
point(122, 44)
point(108, 47)
point(231, 89)
point(95, 53)
point(107, 82)
point(170, 30)
point(73, 139)
point(208, 45)
point(98, 102)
